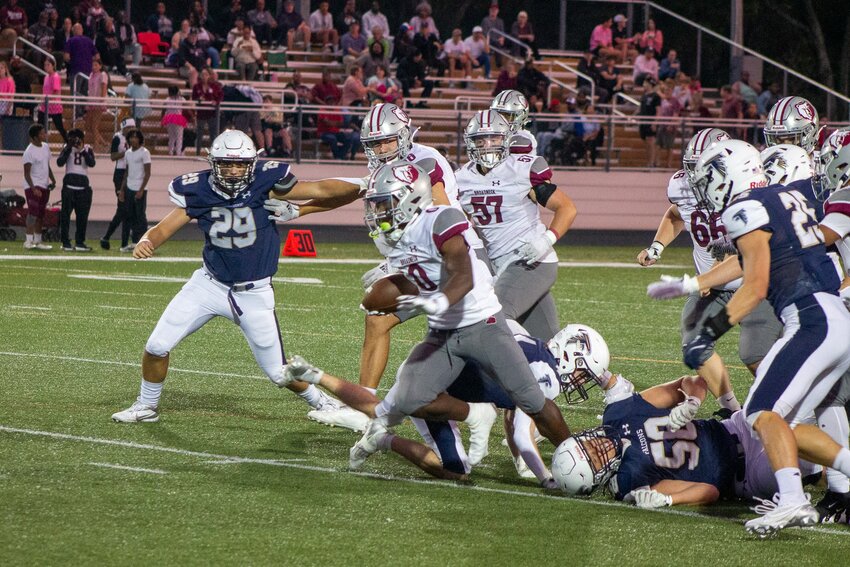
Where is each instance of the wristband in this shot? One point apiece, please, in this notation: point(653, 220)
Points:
point(689, 284)
point(717, 325)
point(551, 236)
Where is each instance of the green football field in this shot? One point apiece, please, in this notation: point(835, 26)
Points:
point(234, 472)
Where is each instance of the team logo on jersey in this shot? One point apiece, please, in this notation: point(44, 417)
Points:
point(496, 182)
point(405, 173)
point(626, 430)
point(740, 216)
point(805, 109)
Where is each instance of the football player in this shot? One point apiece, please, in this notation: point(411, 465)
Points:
point(387, 135)
point(784, 260)
point(427, 245)
point(500, 193)
point(239, 259)
point(513, 106)
point(792, 120)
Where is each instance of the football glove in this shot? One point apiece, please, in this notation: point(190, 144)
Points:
point(298, 369)
point(721, 247)
point(433, 305)
point(671, 287)
point(652, 254)
point(282, 211)
point(648, 498)
point(368, 279)
point(845, 295)
point(536, 248)
point(684, 413)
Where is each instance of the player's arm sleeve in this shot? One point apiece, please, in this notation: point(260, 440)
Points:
point(540, 177)
point(837, 213)
point(521, 144)
point(63, 155)
point(432, 167)
point(285, 184)
point(450, 222)
point(114, 148)
point(89, 156)
point(176, 198)
point(524, 440)
point(745, 217)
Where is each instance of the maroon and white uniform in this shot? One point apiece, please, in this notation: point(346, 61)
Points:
point(837, 218)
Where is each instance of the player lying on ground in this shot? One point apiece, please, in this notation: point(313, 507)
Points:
point(239, 259)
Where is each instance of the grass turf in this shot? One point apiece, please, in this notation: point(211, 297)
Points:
point(248, 479)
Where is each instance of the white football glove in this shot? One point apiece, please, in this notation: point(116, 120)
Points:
point(684, 413)
point(534, 249)
point(648, 498)
point(651, 254)
point(368, 279)
point(433, 305)
point(282, 211)
point(299, 369)
point(671, 287)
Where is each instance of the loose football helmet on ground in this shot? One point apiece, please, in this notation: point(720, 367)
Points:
point(583, 358)
point(396, 194)
point(701, 141)
point(587, 460)
point(784, 164)
point(792, 120)
point(487, 137)
point(513, 106)
point(383, 124)
point(725, 171)
point(232, 158)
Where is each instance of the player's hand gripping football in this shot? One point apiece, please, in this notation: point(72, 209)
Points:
point(144, 249)
point(282, 211)
point(684, 413)
point(433, 305)
point(670, 287)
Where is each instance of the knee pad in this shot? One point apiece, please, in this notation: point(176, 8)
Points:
point(157, 348)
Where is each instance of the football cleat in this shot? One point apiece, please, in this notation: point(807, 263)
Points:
point(522, 468)
point(136, 413)
point(368, 445)
point(833, 507)
point(327, 403)
point(480, 421)
point(345, 417)
point(777, 516)
point(42, 246)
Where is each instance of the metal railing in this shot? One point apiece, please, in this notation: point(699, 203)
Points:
point(466, 102)
point(34, 47)
point(576, 72)
point(626, 98)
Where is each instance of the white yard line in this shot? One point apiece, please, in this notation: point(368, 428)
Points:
point(124, 468)
point(120, 307)
point(29, 307)
point(173, 279)
point(435, 483)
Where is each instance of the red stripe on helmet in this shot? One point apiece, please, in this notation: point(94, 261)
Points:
point(375, 123)
point(780, 113)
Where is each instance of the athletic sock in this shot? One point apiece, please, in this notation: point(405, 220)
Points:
point(150, 393)
point(36, 238)
point(729, 401)
point(790, 485)
point(311, 395)
point(372, 391)
point(833, 422)
point(842, 462)
point(30, 239)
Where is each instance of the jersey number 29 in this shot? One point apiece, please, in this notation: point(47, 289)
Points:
point(240, 221)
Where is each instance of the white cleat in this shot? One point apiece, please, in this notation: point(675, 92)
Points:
point(345, 417)
point(136, 413)
point(522, 468)
point(42, 246)
point(776, 516)
point(302, 371)
point(327, 403)
point(480, 421)
point(368, 445)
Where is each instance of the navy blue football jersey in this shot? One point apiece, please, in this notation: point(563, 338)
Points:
point(799, 266)
point(242, 243)
point(702, 451)
point(804, 186)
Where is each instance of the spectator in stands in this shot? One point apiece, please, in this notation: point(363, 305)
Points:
point(194, 58)
point(127, 37)
point(23, 79)
point(755, 131)
point(354, 92)
point(533, 84)
point(479, 50)
point(173, 120)
point(403, 45)
point(98, 84)
point(161, 23)
point(95, 18)
point(43, 36)
point(229, 17)
point(321, 26)
point(117, 150)
point(492, 21)
point(649, 107)
point(51, 88)
point(326, 88)
point(610, 80)
point(205, 40)
point(682, 90)
point(652, 37)
point(348, 16)
point(646, 66)
point(79, 53)
point(198, 18)
point(7, 90)
point(377, 36)
point(666, 132)
point(383, 88)
point(135, 184)
point(593, 133)
point(622, 41)
point(375, 19)
point(768, 97)
point(523, 31)
point(507, 78)
point(62, 34)
point(601, 40)
point(457, 55)
point(278, 141)
point(373, 59)
point(698, 108)
point(411, 73)
point(208, 93)
point(330, 130)
point(262, 22)
point(429, 45)
point(13, 16)
point(423, 16)
point(587, 65)
point(173, 57)
point(247, 55)
point(747, 92)
point(732, 108)
point(670, 66)
point(140, 94)
point(305, 95)
point(552, 142)
point(291, 26)
point(110, 48)
point(236, 31)
point(353, 45)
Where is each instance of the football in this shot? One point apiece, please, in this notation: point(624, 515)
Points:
point(383, 295)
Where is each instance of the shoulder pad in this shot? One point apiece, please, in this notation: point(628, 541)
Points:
point(449, 222)
point(175, 197)
point(840, 196)
point(744, 217)
point(678, 189)
point(272, 172)
point(521, 144)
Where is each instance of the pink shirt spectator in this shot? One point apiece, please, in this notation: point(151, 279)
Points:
point(52, 87)
point(7, 90)
point(654, 38)
point(646, 64)
point(601, 37)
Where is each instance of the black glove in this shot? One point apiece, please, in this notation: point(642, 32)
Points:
point(699, 349)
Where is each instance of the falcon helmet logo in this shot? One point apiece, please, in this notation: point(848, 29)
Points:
point(405, 173)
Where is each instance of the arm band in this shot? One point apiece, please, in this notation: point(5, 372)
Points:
point(543, 191)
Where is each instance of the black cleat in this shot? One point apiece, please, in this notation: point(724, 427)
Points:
point(833, 507)
point(104, 243)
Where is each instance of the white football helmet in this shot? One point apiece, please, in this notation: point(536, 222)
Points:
point(232, 158)
point(836, 165)
point(587, 460)
point(784, 164)
point(383, 123)
point(701, 141)
point(725, 171)
point(828, 152)
point(396, 194)
point(792, 120)
point(583, 358)
point(487, 137)
point(513, 106)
